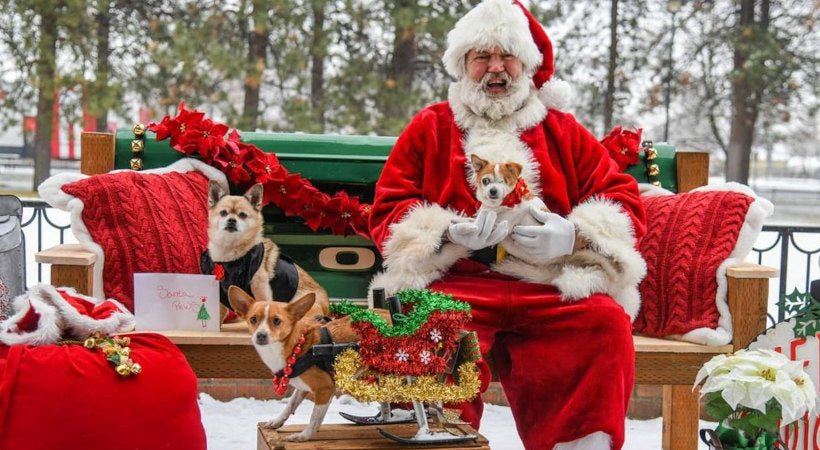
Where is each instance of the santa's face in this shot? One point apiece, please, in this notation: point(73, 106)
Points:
point(495, 69)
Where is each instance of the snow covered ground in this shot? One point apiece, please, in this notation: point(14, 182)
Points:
point(232, 425)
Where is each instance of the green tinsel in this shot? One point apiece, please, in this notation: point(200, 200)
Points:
point(424, 303)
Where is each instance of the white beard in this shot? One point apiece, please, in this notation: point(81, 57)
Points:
point(518, 109)
point(481, 104)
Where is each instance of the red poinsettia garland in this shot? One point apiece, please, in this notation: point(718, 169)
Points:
point(245, 164)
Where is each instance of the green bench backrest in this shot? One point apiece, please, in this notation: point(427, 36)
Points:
point(344, 265)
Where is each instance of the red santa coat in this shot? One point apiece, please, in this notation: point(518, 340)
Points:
point(567, 367)
point(424, 186)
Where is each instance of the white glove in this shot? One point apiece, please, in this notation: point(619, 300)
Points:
point(480, 233)
point(553, 238)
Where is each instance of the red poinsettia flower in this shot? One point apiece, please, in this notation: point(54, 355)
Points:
point(264, 167)
point(176, 127)
point(206, 136)
point(313, 210)
point(288, 199)
point(231, 160)
point(623, 146)
point(340, 212)
point(360, 221)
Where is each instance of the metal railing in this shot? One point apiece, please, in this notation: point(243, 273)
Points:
point(793, 249)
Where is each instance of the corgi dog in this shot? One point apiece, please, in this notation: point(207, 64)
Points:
point(281, 331)
point(500, 188)
point(238, 254)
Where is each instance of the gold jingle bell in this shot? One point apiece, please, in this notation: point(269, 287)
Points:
point(139, 129)
point(651, 153)
point(136, 164)
point(123, 370)
point(137, 145)
point(654, 170)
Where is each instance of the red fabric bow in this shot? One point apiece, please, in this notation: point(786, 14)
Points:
point(518, 193)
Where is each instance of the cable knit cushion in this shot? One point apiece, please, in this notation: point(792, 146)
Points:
point(151, 221)
point(691, 239)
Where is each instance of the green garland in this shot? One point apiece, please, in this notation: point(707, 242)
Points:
point(424, 302)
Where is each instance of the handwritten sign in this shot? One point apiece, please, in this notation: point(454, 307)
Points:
point(175, 301)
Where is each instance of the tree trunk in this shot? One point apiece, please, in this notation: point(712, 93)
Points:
point(318, 50)
point(609, 96)
point(46, 77)
point(99, 108)
point(745, 100)
point(257, 58)
point(400, 73)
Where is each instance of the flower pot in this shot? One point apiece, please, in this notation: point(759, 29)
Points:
point(725, 438)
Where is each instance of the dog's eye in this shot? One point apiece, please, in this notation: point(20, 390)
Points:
point(277, 321)
point(253, 320)
point(243, 215)
point(223, 213)
point(485, 181)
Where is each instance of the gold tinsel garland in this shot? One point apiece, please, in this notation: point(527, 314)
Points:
point(395, 388)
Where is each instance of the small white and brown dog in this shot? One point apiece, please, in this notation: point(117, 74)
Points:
point(283, 335)
point(500, 188)
point(239, 255)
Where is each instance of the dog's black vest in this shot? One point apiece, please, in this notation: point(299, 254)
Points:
point(239, 272)
point(322, 355)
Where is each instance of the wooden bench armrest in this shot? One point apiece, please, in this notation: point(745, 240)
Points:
point(751, 270)
point(67, 255)
point(748, 297)
point(72, 265)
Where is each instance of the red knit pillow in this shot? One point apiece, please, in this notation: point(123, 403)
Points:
point(152, 221)
point(691, 239)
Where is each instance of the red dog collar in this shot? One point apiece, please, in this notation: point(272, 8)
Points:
point(518, 193)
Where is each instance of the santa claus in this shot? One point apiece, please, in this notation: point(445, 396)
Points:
point(566, 362)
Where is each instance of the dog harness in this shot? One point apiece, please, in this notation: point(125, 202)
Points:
point(239, 272)
point(322, 355)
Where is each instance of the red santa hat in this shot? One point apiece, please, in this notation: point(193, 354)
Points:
point(509, 25)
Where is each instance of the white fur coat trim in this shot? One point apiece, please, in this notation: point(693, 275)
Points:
point(499, 147)
point(414, 255)
point(493, 23)
point(59, 319)
point(609, 231)
point(51, 190)
point(526, 117)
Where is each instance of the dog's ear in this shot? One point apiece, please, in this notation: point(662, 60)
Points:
point(215, 193)
point(298, 308)
point(514, 169)
point(254, 196)
point(478, 163)
point(240, 301)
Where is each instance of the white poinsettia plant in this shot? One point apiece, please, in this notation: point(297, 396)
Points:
point(751, 390)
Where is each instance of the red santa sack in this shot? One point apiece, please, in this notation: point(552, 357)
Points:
point(66, 396)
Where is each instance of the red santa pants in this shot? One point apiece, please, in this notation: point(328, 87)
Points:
point(567, 367)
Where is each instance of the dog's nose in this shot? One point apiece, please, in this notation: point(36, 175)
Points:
point(230, 224)
point(493, 192)
point(261, 338)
